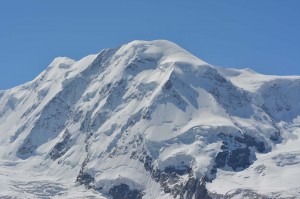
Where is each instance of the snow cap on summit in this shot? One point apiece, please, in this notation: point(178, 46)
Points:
point(165, 49)
point(61, 62)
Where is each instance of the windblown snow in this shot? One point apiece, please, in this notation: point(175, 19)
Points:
point(150, 120)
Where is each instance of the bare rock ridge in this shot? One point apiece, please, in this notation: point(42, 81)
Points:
point(150, 120)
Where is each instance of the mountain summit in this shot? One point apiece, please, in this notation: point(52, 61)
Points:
point(150, 120)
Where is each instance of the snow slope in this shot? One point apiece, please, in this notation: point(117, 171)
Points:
point(150, 120)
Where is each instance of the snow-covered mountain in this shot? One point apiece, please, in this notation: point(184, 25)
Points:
point(150, 120)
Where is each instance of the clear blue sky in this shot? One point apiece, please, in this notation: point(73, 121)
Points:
point(260, 34)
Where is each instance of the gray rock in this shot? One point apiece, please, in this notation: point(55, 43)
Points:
point(123, 191)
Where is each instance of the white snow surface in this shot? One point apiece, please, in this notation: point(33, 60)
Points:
point(105, 112)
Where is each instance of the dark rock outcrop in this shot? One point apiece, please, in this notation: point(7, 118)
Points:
point(123, 191)
point(178, 181)
point(236, 151)
point(61, 147)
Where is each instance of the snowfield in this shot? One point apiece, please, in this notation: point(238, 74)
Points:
point(150, 120)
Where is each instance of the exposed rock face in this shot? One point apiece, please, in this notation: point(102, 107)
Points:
point(85, 179)
point(61, 147)
point(236, 151)
point(179, 182)
point(123, 191)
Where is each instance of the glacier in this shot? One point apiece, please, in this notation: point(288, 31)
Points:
point(150, 120)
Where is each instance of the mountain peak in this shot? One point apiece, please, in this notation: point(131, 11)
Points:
point(62, 62)
point(163, 48)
